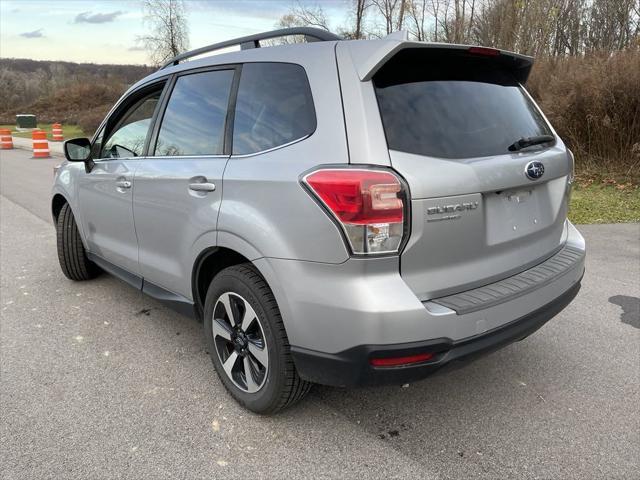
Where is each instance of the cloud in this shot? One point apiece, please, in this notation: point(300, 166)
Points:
point(87, 17)
point(34, 34)
point(136, 48)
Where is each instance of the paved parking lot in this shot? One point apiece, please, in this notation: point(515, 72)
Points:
point(99, 381)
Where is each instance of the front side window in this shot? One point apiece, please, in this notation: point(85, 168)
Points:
point(127, 138)
point(194, 121)
point(274, 107)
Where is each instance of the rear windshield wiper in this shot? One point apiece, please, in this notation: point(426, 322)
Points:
point(525, 142)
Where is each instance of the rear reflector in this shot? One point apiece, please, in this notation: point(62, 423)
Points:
point(399, 361)
point(368, 204)
point(487, 52)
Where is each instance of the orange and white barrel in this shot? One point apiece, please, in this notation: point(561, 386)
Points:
point(56, 132)
point(6, 141)
point(40, 144)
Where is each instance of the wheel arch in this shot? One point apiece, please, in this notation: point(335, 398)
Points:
point(57, 202)
point(208, 264)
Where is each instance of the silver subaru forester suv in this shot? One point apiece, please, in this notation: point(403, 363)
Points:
point(337, 212)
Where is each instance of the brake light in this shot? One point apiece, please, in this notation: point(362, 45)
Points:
point(487, 52)
point(400, 361)
point(368, 204)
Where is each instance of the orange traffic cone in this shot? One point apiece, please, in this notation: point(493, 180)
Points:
point(56, 130)
point(40, 144)
point(6, 141)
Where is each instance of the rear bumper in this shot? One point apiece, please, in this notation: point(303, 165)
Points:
point(351, 367)
point(338, 315)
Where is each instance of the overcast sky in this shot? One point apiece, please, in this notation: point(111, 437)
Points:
point(105, 31)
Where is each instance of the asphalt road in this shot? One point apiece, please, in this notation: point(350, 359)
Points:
point(99, 381)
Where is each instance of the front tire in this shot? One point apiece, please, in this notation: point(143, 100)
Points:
point(248, 343)
point(71, 253)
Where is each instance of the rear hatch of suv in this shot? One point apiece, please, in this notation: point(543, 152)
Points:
point(457, 123)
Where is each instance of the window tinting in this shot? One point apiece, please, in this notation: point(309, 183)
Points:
point(193, 123)
point(128, 137)
point(451, 106)
point(274, 107)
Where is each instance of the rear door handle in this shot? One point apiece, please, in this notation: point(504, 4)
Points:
point(123, 184)
point(202, 187)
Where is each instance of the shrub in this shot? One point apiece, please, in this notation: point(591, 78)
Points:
point(90, 120)
point(593, 103)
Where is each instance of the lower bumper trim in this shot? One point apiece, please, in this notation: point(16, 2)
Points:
point(515, 286)
point(351, 367)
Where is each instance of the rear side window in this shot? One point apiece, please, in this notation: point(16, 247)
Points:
point(453, 106)
point(274, 107)
point(193, 123)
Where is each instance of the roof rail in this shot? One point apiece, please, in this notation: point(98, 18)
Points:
point(253, 41)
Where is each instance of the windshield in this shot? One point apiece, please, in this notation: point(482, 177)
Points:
point(454, 107)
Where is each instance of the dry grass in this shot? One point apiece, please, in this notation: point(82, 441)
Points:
point(82, 104)
point(593, 103)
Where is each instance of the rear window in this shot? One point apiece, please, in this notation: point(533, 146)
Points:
point(453, 106)
point(274, 107)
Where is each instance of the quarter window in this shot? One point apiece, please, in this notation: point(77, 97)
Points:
point(194, 121)
point(127, 138)
point(274, 107)
point(97, 145)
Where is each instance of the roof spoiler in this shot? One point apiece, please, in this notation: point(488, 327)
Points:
point(368, 56)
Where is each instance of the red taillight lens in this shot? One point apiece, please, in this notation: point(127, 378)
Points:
point(368, 204)
point(487, 52)
point(359, 196)
point(399, 361)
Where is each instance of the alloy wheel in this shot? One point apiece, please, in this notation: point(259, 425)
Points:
point(240, 342)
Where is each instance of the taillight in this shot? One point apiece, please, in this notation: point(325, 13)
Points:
point(368, 204)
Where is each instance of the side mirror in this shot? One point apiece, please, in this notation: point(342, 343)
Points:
point(78, 150)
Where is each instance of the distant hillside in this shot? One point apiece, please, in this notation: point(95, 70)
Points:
point(129, 73)
point(79, 93)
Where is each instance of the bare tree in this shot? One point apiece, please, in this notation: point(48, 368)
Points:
point(442, 20)
point(535, 27)
point(305, 16)
point(437, 20)
point(360, 7)
point(417, 18)
point(392, 13)
point(612, 24)
point(169, 30)
point(354, 27)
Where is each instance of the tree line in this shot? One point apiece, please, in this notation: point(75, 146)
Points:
point(534, 27)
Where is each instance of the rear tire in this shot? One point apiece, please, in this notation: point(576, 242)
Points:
point(71, 252)
point(274, 383)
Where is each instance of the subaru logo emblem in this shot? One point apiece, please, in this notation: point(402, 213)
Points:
point(534, 170)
